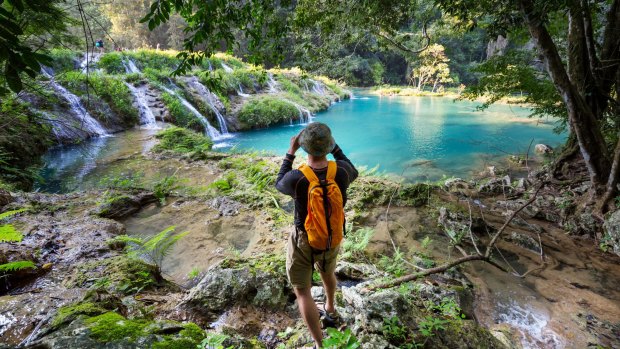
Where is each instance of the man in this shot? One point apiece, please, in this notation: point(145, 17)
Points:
point(317, 141)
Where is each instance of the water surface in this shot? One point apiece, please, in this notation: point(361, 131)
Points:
point(428, 137)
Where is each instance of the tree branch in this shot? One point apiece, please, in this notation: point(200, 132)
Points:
point(402, 46)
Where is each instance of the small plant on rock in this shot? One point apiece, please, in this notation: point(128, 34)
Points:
point(213, 341)
point(340, 340)
point(153, 249)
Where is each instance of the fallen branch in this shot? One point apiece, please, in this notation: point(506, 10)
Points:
point(474, 257)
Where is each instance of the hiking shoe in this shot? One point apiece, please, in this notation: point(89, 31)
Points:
point(328, 319)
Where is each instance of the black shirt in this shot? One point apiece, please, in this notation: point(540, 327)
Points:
point(293, 182)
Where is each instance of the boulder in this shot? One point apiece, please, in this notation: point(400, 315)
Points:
point(612, 232)
point(496, 186)
point(543, 149)
point(121, 206)
point(457, 185)
point(5, 197)
point(367, 313)
point(356, 271)
point(259, 281)
point(226, 206)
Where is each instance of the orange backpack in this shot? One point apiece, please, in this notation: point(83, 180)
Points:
point(325, 221)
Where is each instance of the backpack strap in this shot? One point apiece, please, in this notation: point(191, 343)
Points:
point(308, 173)
point(332, 168)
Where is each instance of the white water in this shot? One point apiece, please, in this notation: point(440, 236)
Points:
point(272, 84)
point(87, 122)
point(88, 61)
point(210, 130)
point(130, 66)
point(240, 92)
point(317, 87)
point(532, 322)
point(211, 99)
point(227, 68)
point(147, 118)
point(305, 116)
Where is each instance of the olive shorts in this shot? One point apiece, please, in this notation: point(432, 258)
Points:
point(299, 259)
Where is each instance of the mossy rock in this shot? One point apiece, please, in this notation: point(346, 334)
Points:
point(122, 205)
point(181, 140)
point(119, 274)
point(376, 191)
point(260, 281)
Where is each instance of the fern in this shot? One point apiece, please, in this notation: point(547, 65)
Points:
point(8, 214)
point(16, 266)
point(8, 233)
point(155, 248)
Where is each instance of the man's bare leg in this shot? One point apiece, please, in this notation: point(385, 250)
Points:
point(329, 284)
point(310, 314)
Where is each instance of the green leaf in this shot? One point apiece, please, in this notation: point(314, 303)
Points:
point(8, 233)
point(16, 266)
point(8, 214)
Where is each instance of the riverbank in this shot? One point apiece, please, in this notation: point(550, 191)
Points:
point(454, 93)
point(87, 284)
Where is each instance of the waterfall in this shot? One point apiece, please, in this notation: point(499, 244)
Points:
point(88, 62)
point(210, 130)
point(240, 92)
point(272, 84)
point(210, 66)
point(317, 87)
point(305, 116)
point(87, 122)
point(226, 67)
point(130, 66)
point(211, 99)
point(147, 117)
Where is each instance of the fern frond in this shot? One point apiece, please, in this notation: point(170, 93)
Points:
point(16, 266)
point(8, 214)
point(8, 233)
point(128, 239)
point(152, 243)
point(167, 245)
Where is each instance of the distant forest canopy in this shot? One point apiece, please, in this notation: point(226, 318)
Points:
point(360, 59)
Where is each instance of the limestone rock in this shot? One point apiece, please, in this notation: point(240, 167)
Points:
point(457, 185)
point(543, 149)
point(496, 186)
point(356, 271)
point(124, 205)
point(226, 206)
point(612, 231)
point(258, 281)
point(5, 198)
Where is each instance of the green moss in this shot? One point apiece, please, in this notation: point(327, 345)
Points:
point(155, 59)
point(267, 110)
point(182, 140)
point(70, 312)
point(117, 274)
point(111, 326)
point(270, 263)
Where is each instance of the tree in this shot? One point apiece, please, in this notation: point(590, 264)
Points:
point(431, 66)
point(587, 82)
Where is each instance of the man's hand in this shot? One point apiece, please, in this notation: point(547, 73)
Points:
point(294, 145)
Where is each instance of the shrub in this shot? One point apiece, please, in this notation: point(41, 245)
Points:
point(265, 111)
point(112, 63)
point(110, 89)
point(182, 140)
point(63, 59)
point(159, 59)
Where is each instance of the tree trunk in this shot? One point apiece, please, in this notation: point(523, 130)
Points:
point(435, 85)
point(581, 118)
point(614, 177)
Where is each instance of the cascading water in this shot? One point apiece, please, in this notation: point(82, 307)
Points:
point(210, 130)
point(305, 116)
point(317, 87)
point(240, 92)
point(210, 98)
point(272, 84)
point(89, 61)
point(147, 118)
point(130, 66)
point(87, 122)
point(226, 68)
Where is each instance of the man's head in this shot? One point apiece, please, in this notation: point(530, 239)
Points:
point(316, 139)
